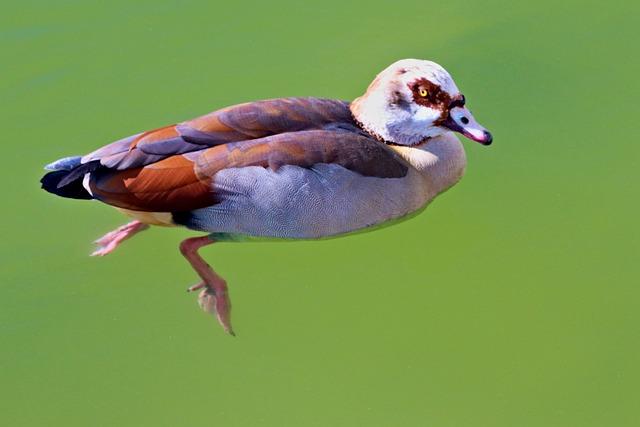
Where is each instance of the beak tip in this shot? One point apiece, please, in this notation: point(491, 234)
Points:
point(488, 138)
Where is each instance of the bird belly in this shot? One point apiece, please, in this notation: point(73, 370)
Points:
point(151, 218)
point(305, 203)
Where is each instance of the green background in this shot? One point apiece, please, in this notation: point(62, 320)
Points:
point(511, 301)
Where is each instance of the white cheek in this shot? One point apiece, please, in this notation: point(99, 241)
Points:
point(424, 114)
point(418, 125)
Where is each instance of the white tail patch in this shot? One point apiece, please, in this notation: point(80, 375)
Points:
point(85, 183)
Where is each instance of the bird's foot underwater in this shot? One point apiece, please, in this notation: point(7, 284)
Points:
point(110, 241)
point(214, 297)
point(215, 303)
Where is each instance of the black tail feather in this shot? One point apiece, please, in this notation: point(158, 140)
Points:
point(68, 183)
point(78, 173)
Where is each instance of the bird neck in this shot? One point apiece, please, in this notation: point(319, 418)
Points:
point(441, 160)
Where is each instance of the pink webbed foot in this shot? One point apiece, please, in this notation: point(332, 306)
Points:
point(110, 241)
point(213, 298)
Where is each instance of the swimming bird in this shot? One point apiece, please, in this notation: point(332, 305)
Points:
point(288, 168)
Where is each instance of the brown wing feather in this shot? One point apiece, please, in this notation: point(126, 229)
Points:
point(170, 184)
point(270, 117)
point(307, 148)
point(237, 123)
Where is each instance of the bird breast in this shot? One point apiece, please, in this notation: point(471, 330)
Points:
point(441, 161)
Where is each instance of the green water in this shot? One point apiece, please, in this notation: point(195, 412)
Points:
point(511, 301)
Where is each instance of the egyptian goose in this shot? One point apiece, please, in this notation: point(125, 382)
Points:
point(289, 168)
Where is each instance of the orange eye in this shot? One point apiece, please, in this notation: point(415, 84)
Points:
point(423, 92)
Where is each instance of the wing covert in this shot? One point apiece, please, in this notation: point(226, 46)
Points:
point(237, 123)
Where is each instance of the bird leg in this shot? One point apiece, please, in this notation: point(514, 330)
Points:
point(110, 241)
point(214, 297)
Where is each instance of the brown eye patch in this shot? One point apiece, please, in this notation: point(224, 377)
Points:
point(434, 97)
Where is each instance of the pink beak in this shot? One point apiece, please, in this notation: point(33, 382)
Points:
point(461, 120)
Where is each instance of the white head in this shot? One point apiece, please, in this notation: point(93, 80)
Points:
point(413, 100)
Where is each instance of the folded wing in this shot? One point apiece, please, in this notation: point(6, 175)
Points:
point(188, 181)
point(237, 123)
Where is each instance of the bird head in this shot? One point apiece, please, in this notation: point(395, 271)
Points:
point(413, 100)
